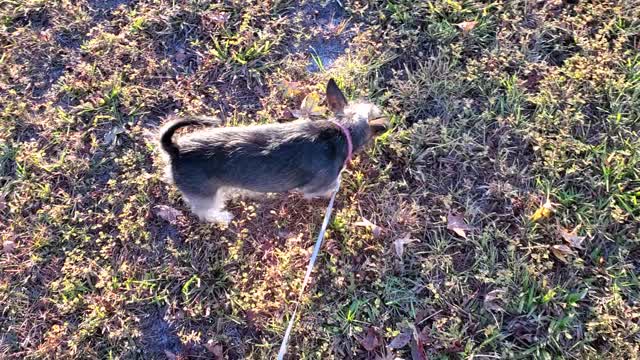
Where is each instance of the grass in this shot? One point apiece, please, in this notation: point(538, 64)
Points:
point(497, 107)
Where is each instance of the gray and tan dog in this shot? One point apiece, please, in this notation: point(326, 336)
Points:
point(301, 155)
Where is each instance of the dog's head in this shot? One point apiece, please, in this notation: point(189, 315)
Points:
point(364, 119)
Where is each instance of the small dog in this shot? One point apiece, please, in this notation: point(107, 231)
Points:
point(300, 155)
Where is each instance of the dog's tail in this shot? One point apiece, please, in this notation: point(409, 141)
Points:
point(166, 134)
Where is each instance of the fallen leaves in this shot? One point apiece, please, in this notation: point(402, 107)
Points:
point(215, 349)
point(387, 355)
point(371, 339)
point(167, 213)
point(561, 252)
point(399, 244)
point(111, 137)
point(401, 340)
point(181, 55)
point(467, 26)
point(170, 355)
point(493, 300)
point(219, 18)
point(413, 337)
point(456, 224)
point(310, 107)
point(417, 345)
point(420, 340)
point(292, 88)
point(572, 237)
point(375, 229)
point(8, 246)
point(544, 211)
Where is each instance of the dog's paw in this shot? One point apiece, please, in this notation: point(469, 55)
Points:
point(220, 217)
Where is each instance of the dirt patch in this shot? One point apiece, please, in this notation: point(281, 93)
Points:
point(104, 10)
point(44, 82)
point(70, 39)
point(325, 53)
point(235, 97)
point(109, 4)
point(332, 34)
point(159, 336)
point(36, 19)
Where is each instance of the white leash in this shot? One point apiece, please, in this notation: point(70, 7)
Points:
point(312, 261)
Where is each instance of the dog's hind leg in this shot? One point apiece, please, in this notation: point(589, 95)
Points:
point(210, 208)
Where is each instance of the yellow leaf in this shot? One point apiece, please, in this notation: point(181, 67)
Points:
point(544, 211)
point(292, 88)
point(310, 106)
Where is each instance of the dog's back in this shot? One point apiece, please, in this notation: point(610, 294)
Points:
point(263, 158)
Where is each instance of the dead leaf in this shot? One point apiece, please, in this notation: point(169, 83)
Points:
point(467, 26)
point(8, 246)
point(456, 224)
point(310, 107)
point(170, 355)
point(492, 301)
point(370, 341)
point(167, 213)
point(292, 88)
point(456, 347)
point(181, 55)
point(401, 340)
point(45, 35)
point(219, 18)
point(417, 350)
point(111, 137)
point(375, 229)
point(215, 349)
point(387, 355)
point(399, 244)
point(3, 202)
point(544, 211)
point(418, 342)
point(424, 336)
point(561, 252)
point(572, 237)
point(287, 115)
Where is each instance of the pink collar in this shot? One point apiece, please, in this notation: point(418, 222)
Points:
point(347, 135)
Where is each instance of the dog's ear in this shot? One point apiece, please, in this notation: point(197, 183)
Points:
point(378, 126)
point(335, 99)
